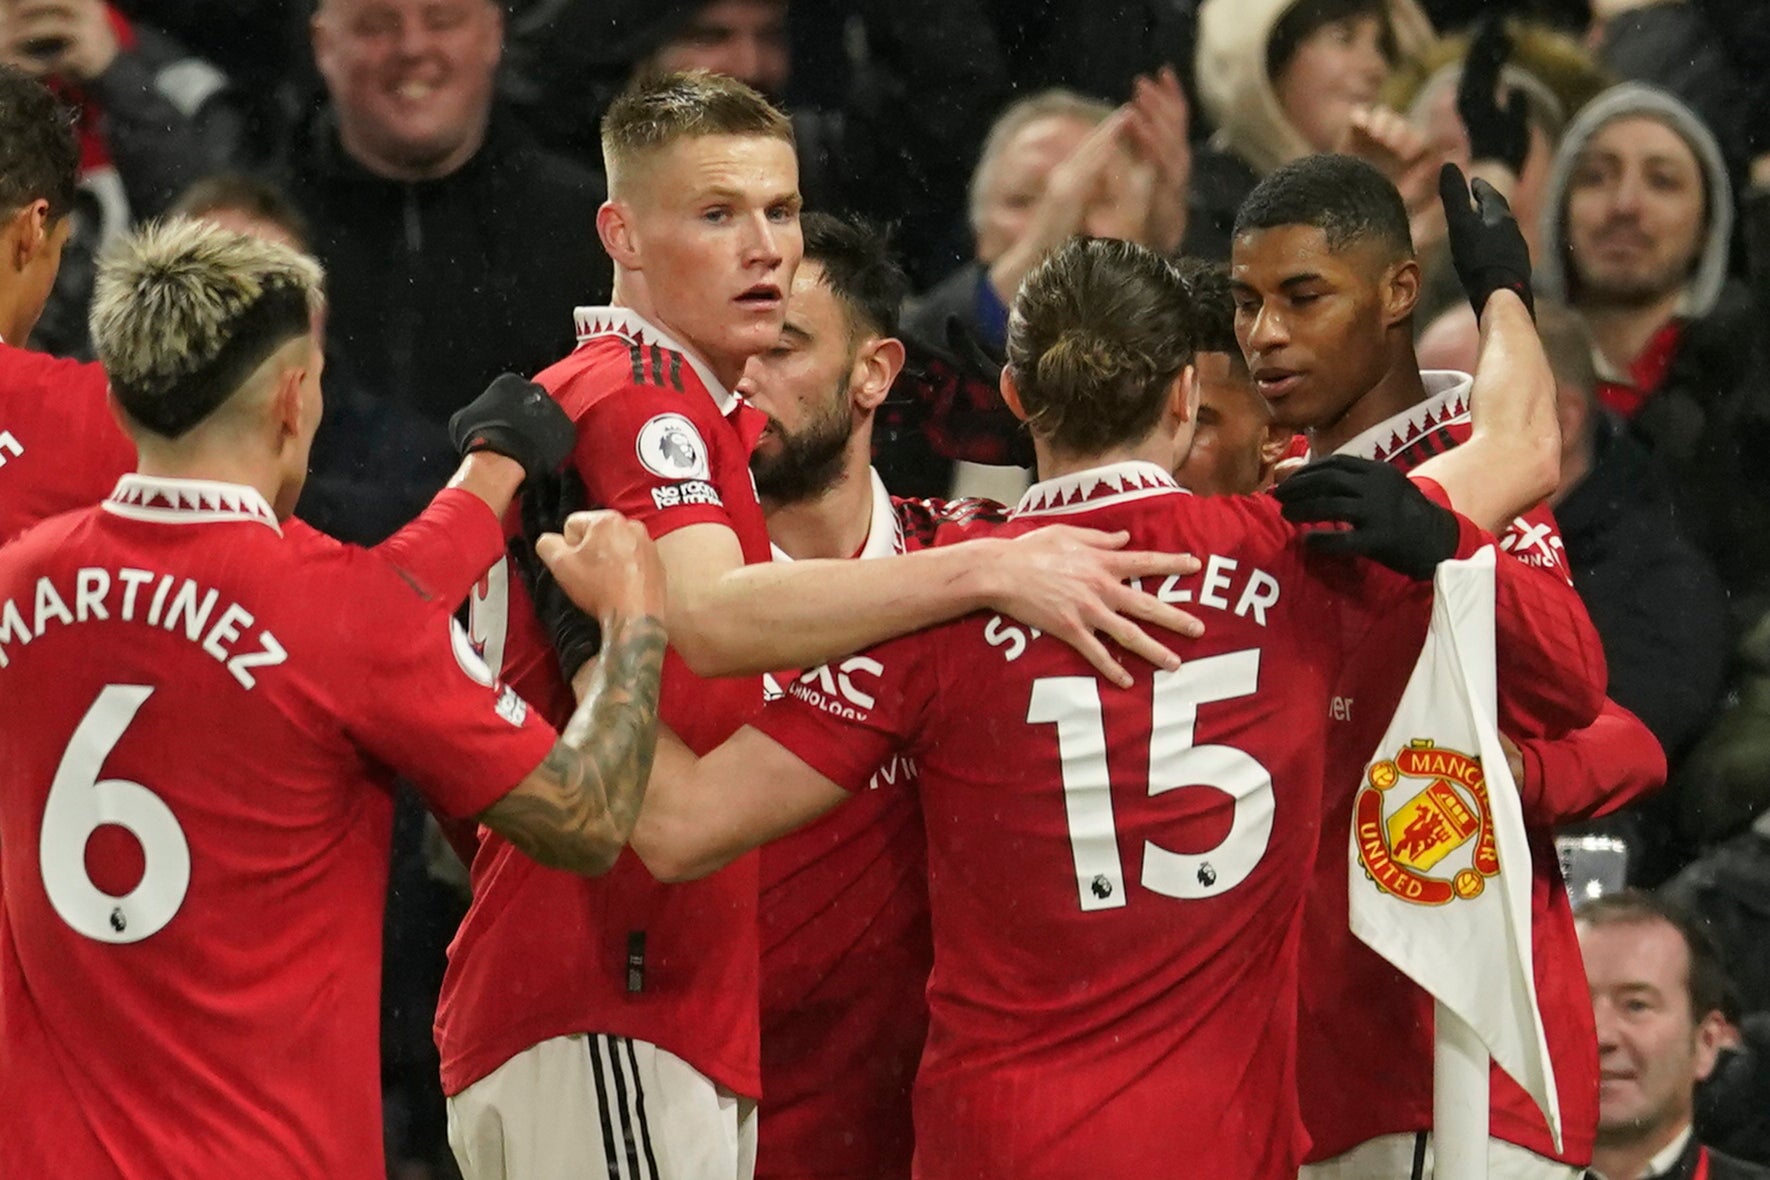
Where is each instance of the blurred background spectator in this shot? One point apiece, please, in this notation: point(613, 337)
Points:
point(455, 247)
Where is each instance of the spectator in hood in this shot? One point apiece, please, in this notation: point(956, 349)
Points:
point(455, 247)
point(1638, 221)
point(1281, 79)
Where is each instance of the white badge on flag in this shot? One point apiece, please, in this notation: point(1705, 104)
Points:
point(1439, 866)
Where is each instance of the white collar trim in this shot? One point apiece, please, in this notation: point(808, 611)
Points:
point(884, 534)
point(630, 325)
point(1447, 400)
point(188, 501)
point(1081, 491)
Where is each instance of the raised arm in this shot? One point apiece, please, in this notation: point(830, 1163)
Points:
point(577, 809)
point(1512, 460)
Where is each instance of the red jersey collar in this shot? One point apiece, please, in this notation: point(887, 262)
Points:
point(631, 326)
point(188, 501)
point(1447, 401)
point(1082, 491)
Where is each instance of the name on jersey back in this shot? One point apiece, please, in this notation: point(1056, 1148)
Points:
point(173, 604)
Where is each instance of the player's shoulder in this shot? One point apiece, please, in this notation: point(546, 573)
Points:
point(54, 537)
point(47, 385)
point(618, 361)
point(922, 520)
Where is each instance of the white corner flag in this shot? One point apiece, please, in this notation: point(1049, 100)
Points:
point(1439, 870)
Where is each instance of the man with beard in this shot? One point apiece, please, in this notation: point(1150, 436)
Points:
point(846, 948)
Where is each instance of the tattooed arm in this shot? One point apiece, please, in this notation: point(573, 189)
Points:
point(577, 809)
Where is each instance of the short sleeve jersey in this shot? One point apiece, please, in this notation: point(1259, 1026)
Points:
point(204, 714)
point(846, 948)
point(60, 448)
point(1364, 1072)
point(1115, 876)
point(544, 953)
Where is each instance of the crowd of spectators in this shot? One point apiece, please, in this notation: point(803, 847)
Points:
point(440, 157)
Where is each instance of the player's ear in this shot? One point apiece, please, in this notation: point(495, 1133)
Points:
point(1183, 395)
point(875, 371)
point(26, 233)
point(1275, 440)
point(614, 225)
point(1011, 394)
point(287, 404)
point(1401, 292)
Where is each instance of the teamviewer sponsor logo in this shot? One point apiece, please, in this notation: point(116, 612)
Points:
point(842, 689)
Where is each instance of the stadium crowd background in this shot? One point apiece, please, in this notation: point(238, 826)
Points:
point(440, 158)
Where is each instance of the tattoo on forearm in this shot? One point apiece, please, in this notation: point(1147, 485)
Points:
point(594, 778)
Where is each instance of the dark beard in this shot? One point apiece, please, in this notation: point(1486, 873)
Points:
point(809, 463)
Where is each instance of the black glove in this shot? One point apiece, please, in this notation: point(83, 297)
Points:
point(1496, 133)
point(1392, 521)
point(517, 419)
point(546, 501)
point(1486, 246)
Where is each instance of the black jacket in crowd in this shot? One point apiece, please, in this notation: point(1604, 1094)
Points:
point(1655, 600)
point(436, 287)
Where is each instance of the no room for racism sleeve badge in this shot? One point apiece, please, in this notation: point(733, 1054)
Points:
point(1422, 825)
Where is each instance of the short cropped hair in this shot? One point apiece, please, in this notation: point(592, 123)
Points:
point(858, 269)
point(39, 152)
point(687, 104)
point(184, 311)
point(1213, 306)
point(1056, 103)
point(1708, 984)
point(1347, 199)
point(235, 192)
point(1099, 332)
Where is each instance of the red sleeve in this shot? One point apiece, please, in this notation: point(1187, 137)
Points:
point(1535, 540)
point(646, 452)
point(449, 547)
point(1591, 772)
point(1550, 664)
point(424, 703)
point(847, 718)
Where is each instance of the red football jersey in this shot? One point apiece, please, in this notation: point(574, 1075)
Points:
point(543, 953)
point(846, 949)
point(204, 714)
point(1116, 876)
point(1364, 1053)
point(60, 448)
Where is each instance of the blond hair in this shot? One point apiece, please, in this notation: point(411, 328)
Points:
point(184, 311)
point(685, 105)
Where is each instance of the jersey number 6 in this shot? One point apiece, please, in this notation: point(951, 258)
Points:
point(80, 803)
point(1072, 704)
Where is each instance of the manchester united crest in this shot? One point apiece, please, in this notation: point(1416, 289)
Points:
point(1423, 827)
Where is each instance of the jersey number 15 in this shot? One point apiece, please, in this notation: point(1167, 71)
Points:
point(1072, 704)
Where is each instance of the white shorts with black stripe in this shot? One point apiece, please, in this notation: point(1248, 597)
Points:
point(592, 1107)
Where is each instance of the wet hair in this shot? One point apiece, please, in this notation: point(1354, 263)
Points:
point(1213, 307)
point(233, 192)
point(1056, 103)
point(183, 312)
point(1347, 199)
point(39, 152)
point(687, 104)
point(1707, 981)
point(858, 269)
point(1099, 332)
point(1303, 18)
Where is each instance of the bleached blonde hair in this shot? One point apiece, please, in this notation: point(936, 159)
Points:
point(183, 311)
